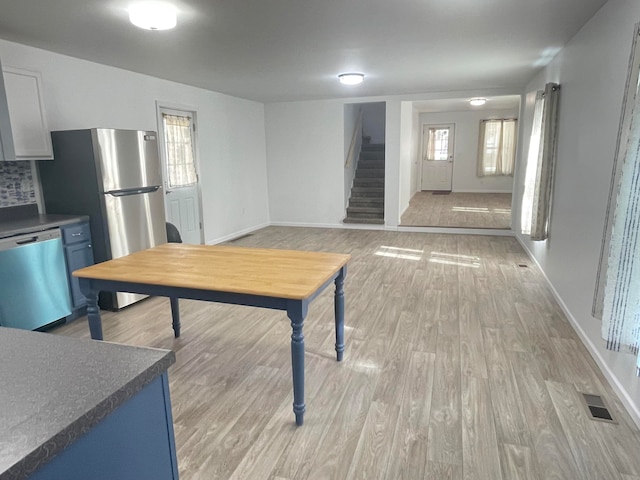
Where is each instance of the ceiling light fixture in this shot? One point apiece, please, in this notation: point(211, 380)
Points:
point(476, 102)
point(153, 15)
point(351, 78)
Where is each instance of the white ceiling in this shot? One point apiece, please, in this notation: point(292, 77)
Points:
point(504, 102)
point(276, 50)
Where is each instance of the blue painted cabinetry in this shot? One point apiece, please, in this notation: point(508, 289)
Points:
point(78, 253)
point(135, 442)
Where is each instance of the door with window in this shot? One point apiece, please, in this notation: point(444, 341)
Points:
point(437, 157)
point(182, 190)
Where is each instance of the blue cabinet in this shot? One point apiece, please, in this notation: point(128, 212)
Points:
point(135, 442)
point(78, 253)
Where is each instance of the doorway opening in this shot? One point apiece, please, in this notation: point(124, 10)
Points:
point(364, 168)
point(449, 189)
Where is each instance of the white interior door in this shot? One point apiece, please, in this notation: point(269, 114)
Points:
point(437, 157)
point(182, 189)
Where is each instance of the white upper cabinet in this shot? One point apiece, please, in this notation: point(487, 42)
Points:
point(7, 151)
point(31, 137)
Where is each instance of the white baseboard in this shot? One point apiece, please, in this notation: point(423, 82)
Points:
point(458, 231)
point(627, 399)
point(482, 191)
point(303, 224)
point(237, 234)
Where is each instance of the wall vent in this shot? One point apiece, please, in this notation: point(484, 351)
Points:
point(597, 408)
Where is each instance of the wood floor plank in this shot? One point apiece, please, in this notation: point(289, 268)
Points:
point(445, 425)
point(443, 471)
point(409, 447)
point(506, 403)
point(552, 451)
point(372, 452)
point(336, 450)
point(416, 358)
point(481, 457)
point(518, 463)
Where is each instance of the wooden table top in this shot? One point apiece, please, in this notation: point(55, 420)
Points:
point(290, 274)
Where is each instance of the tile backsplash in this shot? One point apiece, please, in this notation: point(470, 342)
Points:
point(16, 184)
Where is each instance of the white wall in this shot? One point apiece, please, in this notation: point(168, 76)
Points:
point(305, 152)
point(82, 94)
point(592, 71)
point(415, 148)
point(373, 121)
point(406, 160)
point(306, 157)
point(465, 150)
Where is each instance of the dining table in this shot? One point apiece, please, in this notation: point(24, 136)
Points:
point(287, 280)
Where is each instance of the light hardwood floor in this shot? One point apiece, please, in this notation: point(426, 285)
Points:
point(459, 364)
point(464, 210)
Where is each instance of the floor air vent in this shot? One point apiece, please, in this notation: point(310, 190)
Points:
point(523, 265)
point(597, 408)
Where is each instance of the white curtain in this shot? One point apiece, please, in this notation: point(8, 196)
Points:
point(541, 195)
point(632, 89)
point(621, 313)
point(532, 164)
point(497, 147)
point(181, 171)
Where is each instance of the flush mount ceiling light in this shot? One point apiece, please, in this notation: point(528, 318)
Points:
point(351, 78)
point(153, 15)
point(476, 102)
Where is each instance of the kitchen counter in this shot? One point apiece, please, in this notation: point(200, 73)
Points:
point(56, 389)
point(36, 223)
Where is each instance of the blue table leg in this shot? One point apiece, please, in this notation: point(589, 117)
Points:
point(297, 311)
point(339, 312)
point(175, 315)
point(93, 315)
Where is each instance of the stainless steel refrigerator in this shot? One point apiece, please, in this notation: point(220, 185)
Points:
point(115, 177)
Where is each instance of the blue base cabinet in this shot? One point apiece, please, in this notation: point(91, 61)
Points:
point(134, 442)
point(78, 254)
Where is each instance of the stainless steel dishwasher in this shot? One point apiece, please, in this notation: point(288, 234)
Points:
point(34, 290)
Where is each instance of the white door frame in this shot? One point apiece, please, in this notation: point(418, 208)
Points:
point(160, 105)
point(422, 146)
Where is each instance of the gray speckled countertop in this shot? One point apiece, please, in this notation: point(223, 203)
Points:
point(53, 389)
point(36, 223)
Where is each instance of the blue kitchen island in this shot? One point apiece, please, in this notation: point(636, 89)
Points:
point(77, 409)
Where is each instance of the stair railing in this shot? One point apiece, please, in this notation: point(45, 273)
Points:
point(354, 137)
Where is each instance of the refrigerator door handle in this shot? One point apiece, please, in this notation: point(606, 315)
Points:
point(133, 191)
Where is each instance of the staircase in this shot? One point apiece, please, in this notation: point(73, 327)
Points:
point(366, 204)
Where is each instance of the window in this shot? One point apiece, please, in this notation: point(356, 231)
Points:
point(181, 171)
point(497, 152)
point(437, 144)
point(618, 281)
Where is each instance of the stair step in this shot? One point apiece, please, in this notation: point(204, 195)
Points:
point(361, 211)
point(373, 155)
point(370, 147)
point(368, 192)
point(366, 216)
point(371, 164)
point(368, 221)
point(367, 202)
point(370, 173)
point(368, 182)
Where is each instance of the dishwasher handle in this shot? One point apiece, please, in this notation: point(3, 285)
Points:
point(27, 241)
